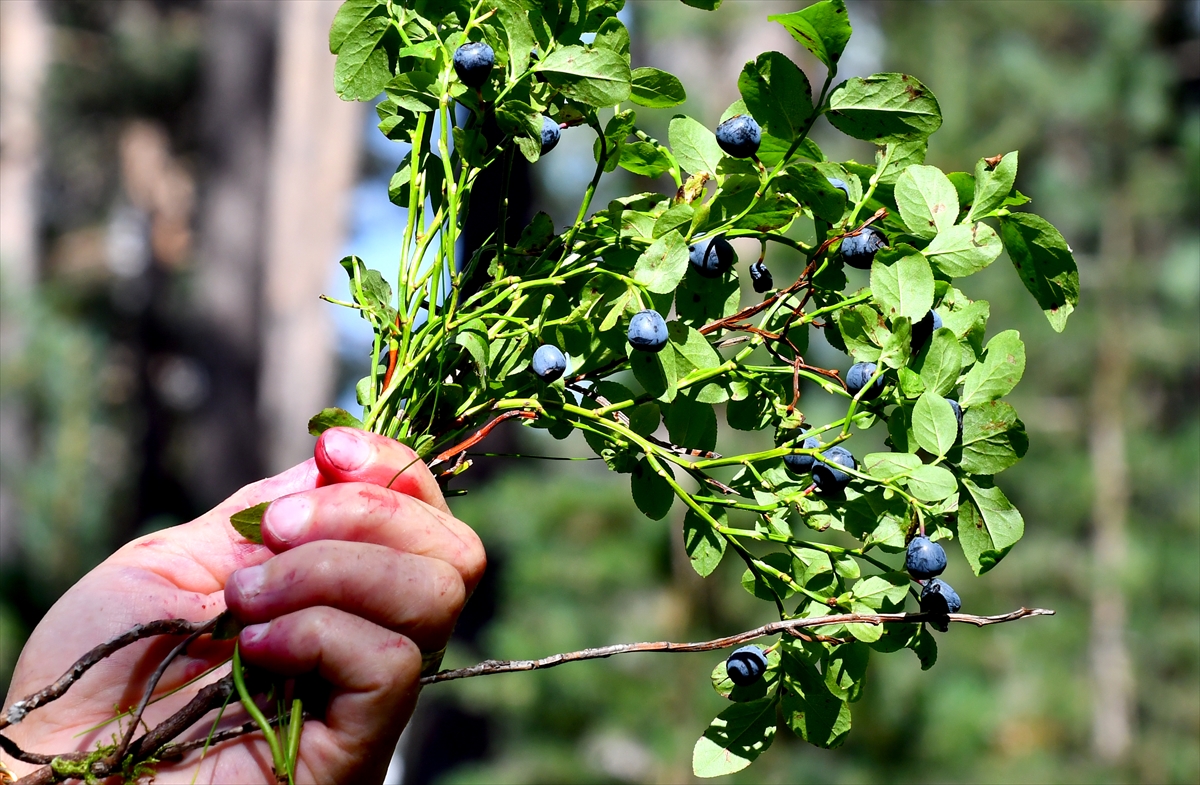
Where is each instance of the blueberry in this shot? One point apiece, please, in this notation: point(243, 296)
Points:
point(840, 185)
point(802, 464)
point(924, 558)
point(760, 276)
point(858, 250)
point(957, 409)
point(938, 598)
point(549, 363)
point(922, 331)
point(551, 133)
point(746, 665)
point(473, 63)
point(648, 331)
point(828, 479)
point(739, 136)
point(857, 378)
point(712, 258)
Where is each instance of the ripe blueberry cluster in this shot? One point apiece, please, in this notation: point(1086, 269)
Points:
point(925, 560)
point(829, 479)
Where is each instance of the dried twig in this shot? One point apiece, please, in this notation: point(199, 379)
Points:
point(509, 666)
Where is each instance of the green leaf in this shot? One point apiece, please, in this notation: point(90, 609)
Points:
point(932, 483)
point(901, 157)
point(898, 346)
point(884, 108)
point(992, 186)
point(988, 525)
point(474, 338)
point(886, 465)
point(651, 493)
point(332, 418)
point(703, 544)
point(941, 363)
point(691, 424)
point(962, 250)
point(735, 738)
point(248, 522)
point(613, 35)
point(700, 300)
point(661, 267)
point(809, 186)
point(777, 95)
point(903, 288)
point(934, 425)
point(645, 159)
point(678, 216)
point(694, 146)
point(652, 87)
point(1002, 367)
point(349, 17)
point(822, 28)
point(881, 592)
point(811, 710)
point(864, 331)
point(993, 438)
point(1044, 261)
point(362, 69)
point(927, 200)
point(846, 669)
point(925, 647)
point(596, 77)
point(519, 32)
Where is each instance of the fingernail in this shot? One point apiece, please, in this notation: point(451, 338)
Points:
point(249, 581)
point(347, 449)
point(254, 633)
point(289, 517)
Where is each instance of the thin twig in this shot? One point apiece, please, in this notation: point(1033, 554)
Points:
point(509, 666)
point(16, 712)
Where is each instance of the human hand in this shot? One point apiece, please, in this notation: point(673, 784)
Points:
point(354, 580)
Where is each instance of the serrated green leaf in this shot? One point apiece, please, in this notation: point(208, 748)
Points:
point(248, 522)
point(993, 438)
point(864, 331)
point(962, 250)
point(941, 362)
point(932, 483)
point(349, 17)
point(884, 108)
point(703, 544)
point(362, 68)
point(846, 669)
point(777, 94)
point(596, 77)
point(934, 425)
point(613, 35)
point(694, 146)
point(651, 493)
point(880, 592)
point(927, 200)
point(992, 186)
point(735, 738)
point(813, 712)
point(332, 417)
point(1002, 367)
point(886, 465)
point(903, 288)
point(519, 34)
point(645, 159)
point(1044, 261)
point(822, 28)
point(988, 525)
point(661, 266)
point(655, 88)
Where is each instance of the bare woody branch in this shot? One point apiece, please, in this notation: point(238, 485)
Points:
point(789, 626)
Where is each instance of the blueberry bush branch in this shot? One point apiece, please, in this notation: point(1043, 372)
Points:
point(632, 327)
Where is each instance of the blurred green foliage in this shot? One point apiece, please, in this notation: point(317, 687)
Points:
point(1092, 95)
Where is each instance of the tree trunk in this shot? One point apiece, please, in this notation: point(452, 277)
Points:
point(315, 146)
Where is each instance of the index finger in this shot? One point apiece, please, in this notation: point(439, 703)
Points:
point(350, 455)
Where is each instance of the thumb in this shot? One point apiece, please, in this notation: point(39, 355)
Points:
point(351, 455)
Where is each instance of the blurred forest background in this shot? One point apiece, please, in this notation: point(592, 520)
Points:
point(177, 181)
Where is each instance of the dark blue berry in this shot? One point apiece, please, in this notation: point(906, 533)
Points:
point(473, 63)
point(746, 665)
point(648, 331)
point(840, 185)
point(830, 480)
point(712, 258)
point(922, 331)
point(760, 276)
point(857, 378)
point(549, 363)
point(958, 415)
point(798, 463)
point(858, 250)
point(739, 136)
point(551, 133)
point(938, 598)
point(924, 558)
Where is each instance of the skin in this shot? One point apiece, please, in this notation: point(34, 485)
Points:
point(354, 580)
